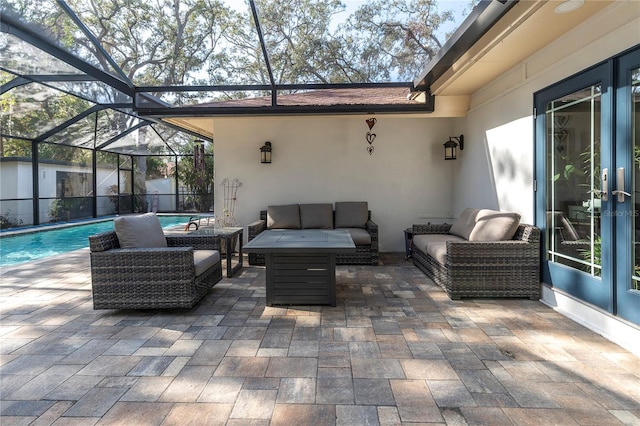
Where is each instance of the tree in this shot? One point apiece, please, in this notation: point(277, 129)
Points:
point(199, 181)
point(398, 36)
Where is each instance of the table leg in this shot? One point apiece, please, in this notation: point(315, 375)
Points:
point(228, 239)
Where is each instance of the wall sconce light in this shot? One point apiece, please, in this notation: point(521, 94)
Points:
point(451, 146)
point(265, 153)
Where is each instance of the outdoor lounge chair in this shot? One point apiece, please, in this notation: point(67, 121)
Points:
point(138, 267)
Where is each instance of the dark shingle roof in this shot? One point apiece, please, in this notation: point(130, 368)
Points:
point(328, 97)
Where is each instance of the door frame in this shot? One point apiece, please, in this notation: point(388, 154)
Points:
point(597, 291)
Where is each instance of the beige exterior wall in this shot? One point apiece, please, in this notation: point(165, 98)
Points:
point(496, 166)
point(324, 159)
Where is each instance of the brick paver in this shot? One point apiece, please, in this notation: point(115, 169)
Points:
point(394, 350)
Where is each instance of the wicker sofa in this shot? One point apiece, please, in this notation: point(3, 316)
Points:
point(354, 216)
point(484, 253)
point(137, 267)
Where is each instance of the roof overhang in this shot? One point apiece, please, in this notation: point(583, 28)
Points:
point(496, 37)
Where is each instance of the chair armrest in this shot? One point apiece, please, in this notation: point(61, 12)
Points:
point(371, 226)
point(437, 228)
point(492, 252)
point(104, 241)
point(130, 260)
point(198, 242)
point(254, 228)
point(151, 266)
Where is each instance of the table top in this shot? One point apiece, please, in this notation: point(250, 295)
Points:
point(309, 240)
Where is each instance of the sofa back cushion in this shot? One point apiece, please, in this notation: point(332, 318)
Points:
point(316, 216)
point(139, 231)
point(492, 225)
point(464, 224)
point(352, 214)
point(283, 217)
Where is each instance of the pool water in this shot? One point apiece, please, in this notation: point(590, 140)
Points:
point(16, 249)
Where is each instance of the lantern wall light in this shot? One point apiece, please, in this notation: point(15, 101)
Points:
point(265, 153)
point(451, 146)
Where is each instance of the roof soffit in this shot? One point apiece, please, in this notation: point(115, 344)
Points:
point(524, 29)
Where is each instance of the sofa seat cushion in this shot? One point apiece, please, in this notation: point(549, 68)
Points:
point(205, 259)
point(463, 225)
point(492, 225)
point(140, 231)
point(316, 216)
point(283, 217)
point(360, 237)
point(438, 251)
point(352, 214)
point(422, 241)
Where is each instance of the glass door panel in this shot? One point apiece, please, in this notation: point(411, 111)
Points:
point(573, 184)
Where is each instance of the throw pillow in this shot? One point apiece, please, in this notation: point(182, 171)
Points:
point(463, 225)
point(139, 231)
point(492, 225)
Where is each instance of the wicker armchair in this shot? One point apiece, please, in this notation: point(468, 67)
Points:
point(150, 278)
point(485, 269)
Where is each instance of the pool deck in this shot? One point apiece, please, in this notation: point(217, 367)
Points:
point(395, 350)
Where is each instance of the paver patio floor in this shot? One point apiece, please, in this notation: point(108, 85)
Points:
point(395, 350)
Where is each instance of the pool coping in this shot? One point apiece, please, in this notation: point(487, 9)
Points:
point(59, 225)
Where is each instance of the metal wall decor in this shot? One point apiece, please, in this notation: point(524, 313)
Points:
point(230, 197)
point(370, 136)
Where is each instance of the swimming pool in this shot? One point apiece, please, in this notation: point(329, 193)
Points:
point(25, 247)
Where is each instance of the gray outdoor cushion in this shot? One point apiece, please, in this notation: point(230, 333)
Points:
point(360, 237)
point(205, 259)
point(438, 251)
point(316, 216)
point(352, 214)
point(492, 225)
point(283, 217)
point(422, 241)
point(139, 231)
point(463, 225)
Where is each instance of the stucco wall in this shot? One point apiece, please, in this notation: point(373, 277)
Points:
point(324, 159)
point(496, 168)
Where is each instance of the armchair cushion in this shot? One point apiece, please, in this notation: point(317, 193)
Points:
point(464, 224)
point(205, 259)
point(352, 214)
point(316, 216)
point(492, 225)
point(141, 231)
point(283, 217)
